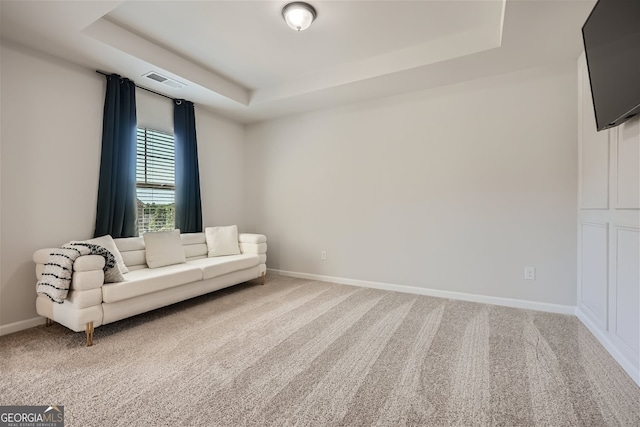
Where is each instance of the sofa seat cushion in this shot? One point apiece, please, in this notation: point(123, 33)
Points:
point(220, 265)
point(148, 280)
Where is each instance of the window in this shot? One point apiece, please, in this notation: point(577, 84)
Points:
point(155, 181)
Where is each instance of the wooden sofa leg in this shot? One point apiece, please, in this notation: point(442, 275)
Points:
point(262, 276)
point(48, 322)
point(89, 332)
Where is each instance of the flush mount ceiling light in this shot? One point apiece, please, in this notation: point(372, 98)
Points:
point(299, 15)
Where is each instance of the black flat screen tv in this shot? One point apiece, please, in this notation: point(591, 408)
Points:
point(611, 36)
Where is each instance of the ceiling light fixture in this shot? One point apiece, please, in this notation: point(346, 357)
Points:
point(299, 15)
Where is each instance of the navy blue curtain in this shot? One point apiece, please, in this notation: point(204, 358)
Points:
point(116, 210)
point(188, 204)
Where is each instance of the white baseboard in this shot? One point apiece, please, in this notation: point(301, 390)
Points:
point(21, 325)
point(623, 361)
point(507, 302)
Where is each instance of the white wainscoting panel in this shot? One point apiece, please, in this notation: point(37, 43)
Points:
point(594, 155)
point(594, 271)
point(609, 238)
point(625, 288)
point(628, 165)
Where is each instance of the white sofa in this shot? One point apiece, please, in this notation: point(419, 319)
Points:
point(91, 303)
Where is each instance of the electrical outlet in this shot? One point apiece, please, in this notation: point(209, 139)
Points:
point(323, 255)
point(529, 273)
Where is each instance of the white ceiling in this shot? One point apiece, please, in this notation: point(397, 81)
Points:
point(240, 59)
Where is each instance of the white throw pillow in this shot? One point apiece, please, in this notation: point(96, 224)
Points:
point(222, 240)
point(107, 242)
point(163, 248)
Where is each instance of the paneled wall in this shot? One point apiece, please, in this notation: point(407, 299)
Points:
point(609, 231)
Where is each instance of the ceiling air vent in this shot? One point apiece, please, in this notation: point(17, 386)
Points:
point(164, 80)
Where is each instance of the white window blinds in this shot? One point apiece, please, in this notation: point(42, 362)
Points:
point(155, 180)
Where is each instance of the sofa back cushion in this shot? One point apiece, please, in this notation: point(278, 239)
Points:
point(195, 245)
point(132, 249)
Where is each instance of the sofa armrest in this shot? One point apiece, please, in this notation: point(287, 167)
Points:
point(253, 248)
point(82, 263)
point(251, 243)
point(252, 238)
point(42, 255)
point(87, 269)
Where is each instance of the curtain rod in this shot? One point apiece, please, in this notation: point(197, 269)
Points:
point(143, 88)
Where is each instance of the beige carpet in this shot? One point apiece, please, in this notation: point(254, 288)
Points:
point(296, 352)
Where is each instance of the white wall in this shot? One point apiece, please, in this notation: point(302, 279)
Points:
point(220, 155)
point(454, 189)
point(51, 131)
point(51, 127)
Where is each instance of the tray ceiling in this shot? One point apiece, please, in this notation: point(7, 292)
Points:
point(240, 59)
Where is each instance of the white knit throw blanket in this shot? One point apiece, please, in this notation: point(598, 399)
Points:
point(57, 273)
